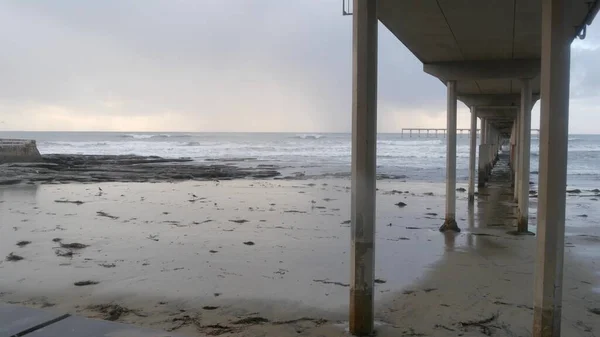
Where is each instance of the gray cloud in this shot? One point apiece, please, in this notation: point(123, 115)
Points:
point(208, 66)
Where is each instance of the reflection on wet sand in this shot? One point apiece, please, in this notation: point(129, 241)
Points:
point(165, 252)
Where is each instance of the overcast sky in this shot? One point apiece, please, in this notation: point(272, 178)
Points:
point(215, 65)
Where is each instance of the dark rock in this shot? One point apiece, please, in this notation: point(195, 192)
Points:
point(249, 243)
point(85, 283)
point(23, 243)
point(12, 257)
point(461, 189)
point(251, 321)
point(108, 168)
point(400, 204)
point(574, 191)
point(74, 245)
point(76, 202)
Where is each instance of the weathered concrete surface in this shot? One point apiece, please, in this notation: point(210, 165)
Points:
point(364, 158)
point(18, 151)
point(450, 218)
point(93, 169)
point(472, 154)
point(554, 141)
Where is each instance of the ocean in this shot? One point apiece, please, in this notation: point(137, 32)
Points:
point(313, 154)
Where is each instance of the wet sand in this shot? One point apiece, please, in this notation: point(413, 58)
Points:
point(265, 257)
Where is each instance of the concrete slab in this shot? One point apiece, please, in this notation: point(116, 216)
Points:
point(18, 151)
point(86, 327)
point(16, 320)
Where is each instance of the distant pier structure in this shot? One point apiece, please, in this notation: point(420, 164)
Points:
point(432, 132)
point(435, 132)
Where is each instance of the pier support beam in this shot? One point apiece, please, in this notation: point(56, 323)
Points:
point(481, 176)
point(473, 145)
point(450, 220)
point(512, 152)
point(554, 126)
point(525, 121)
point(492, 153)
point(516, 188)
point(489, 148)
point(364, 140)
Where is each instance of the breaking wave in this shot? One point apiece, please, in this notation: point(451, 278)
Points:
point(154, 136)
point(190, 144)
point(309, 136)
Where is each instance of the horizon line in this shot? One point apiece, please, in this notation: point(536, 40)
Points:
point(264, 132)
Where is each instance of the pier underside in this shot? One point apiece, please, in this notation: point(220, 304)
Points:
point(498, 58)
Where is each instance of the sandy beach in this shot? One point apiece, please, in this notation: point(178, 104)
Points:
point(270, 257)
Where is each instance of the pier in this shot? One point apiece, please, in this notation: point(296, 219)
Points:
point(429, 132)
point(436, 132)
point(497, 59)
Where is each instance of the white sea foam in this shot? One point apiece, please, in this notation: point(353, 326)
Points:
point(423, 158)
point(310, 136)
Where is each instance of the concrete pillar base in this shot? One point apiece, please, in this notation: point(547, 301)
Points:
point(481, 178)
point(449, 225)
point(546, 322)
point(523, 224)
point(361, 321)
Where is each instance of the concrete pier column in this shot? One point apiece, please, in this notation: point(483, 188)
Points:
point(450, 220)
point(525, 120)
point(512, 152)
point(554, 127)
point(488, 154)
point(473, 145)
point(481, 174)
point(497, 141)
point(492, 154)
point(516, 188)
point(364, 140)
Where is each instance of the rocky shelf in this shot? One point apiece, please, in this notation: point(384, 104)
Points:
point(60, 168)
